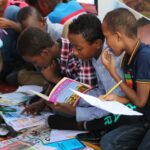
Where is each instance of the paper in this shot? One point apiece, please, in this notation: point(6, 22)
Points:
point(58, 135)
point(40, 95)
point(26, 89)
point(41, 147)
point(19, 121)
point(110, 106)
point(21, 95)
point(14, 98)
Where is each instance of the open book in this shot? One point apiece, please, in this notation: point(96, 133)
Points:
point(19, 96)
point(62, 94)
point(20, 121)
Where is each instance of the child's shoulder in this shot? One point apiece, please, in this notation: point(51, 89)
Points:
point(144, 49)
point(144, 53)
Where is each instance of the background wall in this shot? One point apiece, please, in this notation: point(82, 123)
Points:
point(105, 6)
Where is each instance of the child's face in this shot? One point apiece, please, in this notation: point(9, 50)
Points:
point(81, 48)
point(42, 60)
point(113, 40)
point(33, 22)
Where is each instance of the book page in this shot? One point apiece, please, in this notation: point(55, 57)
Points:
point(26, 89)
point(20, 121)
point(21, 95)
point(14, 98)
point(113, 107)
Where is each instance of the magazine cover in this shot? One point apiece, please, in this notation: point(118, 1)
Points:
point(61, 92)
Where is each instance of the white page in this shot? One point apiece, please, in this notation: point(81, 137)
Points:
point(27, 88)
point(43, 96)
point(58, 135)
point(110, 106)
point(42, 147)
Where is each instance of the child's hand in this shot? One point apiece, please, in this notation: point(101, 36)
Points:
point(34, 108)
point(63, 108)
point(108, 61)
point(50, 73)
point(110, 97)
point(114, 97)
point(6, 23)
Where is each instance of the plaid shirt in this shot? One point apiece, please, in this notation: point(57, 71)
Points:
point(75, 68)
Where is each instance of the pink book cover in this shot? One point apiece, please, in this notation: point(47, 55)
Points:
point(61, 92)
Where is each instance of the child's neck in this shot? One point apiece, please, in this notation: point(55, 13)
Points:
point(98, 53)
point(131, 45)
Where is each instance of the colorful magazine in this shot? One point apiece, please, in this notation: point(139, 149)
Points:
point(61, 92)
point(20, 121)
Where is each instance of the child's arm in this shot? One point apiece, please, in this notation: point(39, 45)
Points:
point(37, 107)
point(6, 23)
point(63, 108)
point(140, 97)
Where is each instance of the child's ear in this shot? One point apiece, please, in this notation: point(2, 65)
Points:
point(119, 36)
point(45, 52)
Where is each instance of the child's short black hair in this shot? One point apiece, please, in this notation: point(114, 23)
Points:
point(26, 12)
point(121, 19)
point(142, 22)
point(31, 2)
point(32, 41)
point(89, 26)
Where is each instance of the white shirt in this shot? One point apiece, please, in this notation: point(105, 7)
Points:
point(54, 29)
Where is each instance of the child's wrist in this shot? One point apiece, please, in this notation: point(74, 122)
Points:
point(113, 73)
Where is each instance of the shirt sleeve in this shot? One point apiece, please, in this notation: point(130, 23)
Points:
point(94, 92)
point(143, 68)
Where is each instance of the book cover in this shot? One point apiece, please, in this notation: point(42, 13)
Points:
point(62, 94)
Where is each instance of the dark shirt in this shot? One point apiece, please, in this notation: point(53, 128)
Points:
point(138, 70)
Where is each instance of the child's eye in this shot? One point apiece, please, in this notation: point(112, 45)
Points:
point(78, 48)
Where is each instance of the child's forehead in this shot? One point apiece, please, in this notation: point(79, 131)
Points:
point(77, 37)
point(105, 27)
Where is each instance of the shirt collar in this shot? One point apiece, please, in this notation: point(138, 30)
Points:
point(132, 54)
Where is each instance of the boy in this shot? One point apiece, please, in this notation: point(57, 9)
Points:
point(87, 40)
point(120, 28)
point(30, 17)
point(38, 48)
